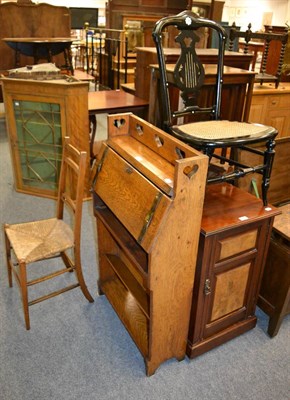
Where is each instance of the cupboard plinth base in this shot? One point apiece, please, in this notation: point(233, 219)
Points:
point(196, 349)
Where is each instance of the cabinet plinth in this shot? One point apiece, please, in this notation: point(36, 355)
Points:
point(148, 196)
point(234, 239)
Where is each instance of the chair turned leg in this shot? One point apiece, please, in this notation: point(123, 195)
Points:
point(268, 163)
point(8, 259)
point(24, 293)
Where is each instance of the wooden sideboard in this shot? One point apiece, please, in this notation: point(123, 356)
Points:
point(234, 239)
point(148, 205)
point(271, 106)
point(147, 56)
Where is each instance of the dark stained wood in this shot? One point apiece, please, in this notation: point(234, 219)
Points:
point(107, 101)
point(118, 10)
point(236, 95)
point(274, 296)
point(147, 56)
point(235, 235)
point(30, 20)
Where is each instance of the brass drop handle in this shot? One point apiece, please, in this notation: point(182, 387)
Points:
point(207, 289)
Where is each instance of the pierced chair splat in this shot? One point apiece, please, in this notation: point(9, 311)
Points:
point(30, 242)
point(197, 121)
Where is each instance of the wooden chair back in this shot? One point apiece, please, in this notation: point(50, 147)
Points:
point(266, 73)
point(72, 186)
point(188, 72)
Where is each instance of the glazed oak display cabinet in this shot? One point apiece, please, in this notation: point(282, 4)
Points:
point(234, 240)
point(39, 114)
point(148, 198)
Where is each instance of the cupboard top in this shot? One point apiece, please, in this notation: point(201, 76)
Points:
point(227, 206)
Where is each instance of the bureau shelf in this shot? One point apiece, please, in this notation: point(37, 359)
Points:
point(148, 196)
point(122, 237)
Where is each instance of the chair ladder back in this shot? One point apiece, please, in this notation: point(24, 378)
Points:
point(71, 184)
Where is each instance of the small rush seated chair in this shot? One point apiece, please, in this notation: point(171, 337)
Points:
point(31, 242)
point(268, 72)
point(200, 124)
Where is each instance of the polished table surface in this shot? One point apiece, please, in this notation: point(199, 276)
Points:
point(108, 101)
point(25, 45)
point(40, 47)
point(236, 96)
point(112, 102)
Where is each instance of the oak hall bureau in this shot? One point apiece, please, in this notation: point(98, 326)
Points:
point(148, 195)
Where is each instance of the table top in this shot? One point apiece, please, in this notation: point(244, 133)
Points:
point(211, 69)
point(226, 206)
point(39, 40)
point(199, 51)
point(113, 100)
point(252, 44)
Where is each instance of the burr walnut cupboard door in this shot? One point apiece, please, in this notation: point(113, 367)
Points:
point(227, 285)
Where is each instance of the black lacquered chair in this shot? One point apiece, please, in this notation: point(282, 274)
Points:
point(198, 121)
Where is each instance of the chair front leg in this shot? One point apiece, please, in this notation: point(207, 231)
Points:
point(24, 292)
point(268, 164)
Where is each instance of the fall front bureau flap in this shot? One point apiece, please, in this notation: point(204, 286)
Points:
point(136, 202)
point(142, 171)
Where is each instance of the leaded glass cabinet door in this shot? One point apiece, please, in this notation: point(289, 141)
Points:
point(39, 138)
point(39, 115)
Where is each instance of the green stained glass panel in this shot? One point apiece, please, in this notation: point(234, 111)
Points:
point(39, 137)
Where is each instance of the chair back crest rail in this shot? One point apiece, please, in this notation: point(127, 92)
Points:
point(266, 38)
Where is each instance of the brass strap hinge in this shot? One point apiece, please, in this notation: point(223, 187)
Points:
point(149, 216)
point(100, 165)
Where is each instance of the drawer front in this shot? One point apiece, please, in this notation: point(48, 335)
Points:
point(233, 245)
point(279, 101)
point(135, 201)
